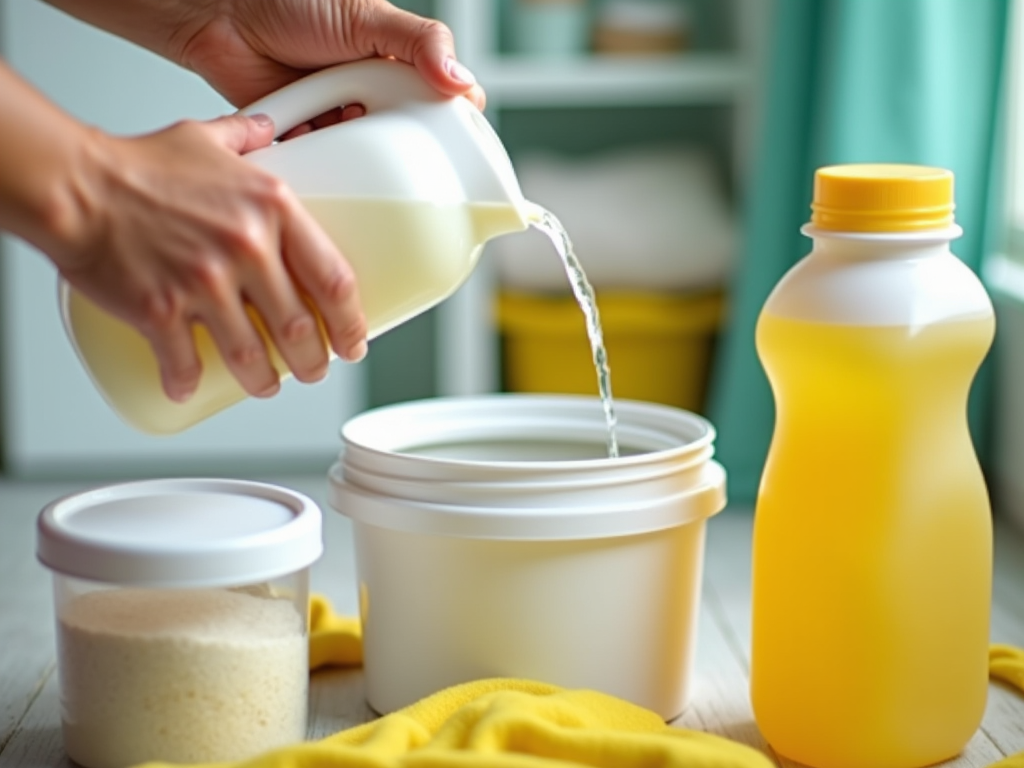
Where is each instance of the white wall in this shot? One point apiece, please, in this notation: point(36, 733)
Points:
point(54, 422)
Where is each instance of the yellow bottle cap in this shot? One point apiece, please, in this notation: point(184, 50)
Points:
point(882, 198)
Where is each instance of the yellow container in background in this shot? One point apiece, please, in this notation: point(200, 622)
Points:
point(659, 344)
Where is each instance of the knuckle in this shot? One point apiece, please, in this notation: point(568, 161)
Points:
point(247, 242)
point(436, 29)
point(339, 287)
point(270, 192)
point(211, 275)
point(430, 34)
point(246, 354)
point(187, 127)
point(161, 310)
point(298, 329)
point(359, 329)
point(353, 332)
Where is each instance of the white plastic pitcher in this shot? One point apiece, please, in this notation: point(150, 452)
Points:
point(495, 538)
point(409, 193)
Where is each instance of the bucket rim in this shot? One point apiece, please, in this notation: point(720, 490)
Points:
point(378, 431)
point(695, 504)
point(584, 498)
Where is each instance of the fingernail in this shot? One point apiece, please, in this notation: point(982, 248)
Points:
point(458, 71)
point(270, 391)
point(181, 395)
point(357, 352)
point(263, 121)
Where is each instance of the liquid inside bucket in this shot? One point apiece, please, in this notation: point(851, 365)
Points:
point(518, 450)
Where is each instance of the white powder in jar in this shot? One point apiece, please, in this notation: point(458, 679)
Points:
point(180, 676)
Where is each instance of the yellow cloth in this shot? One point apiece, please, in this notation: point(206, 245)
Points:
point(505, 723)
point(333, 640)
point(1006, 663)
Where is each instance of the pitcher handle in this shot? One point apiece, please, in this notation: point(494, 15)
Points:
point(377, 84)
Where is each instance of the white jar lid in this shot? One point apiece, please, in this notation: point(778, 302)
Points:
point(180, 533)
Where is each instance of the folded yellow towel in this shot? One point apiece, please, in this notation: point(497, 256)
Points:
point(1006, 663)
point(505, 723)
point(333, 640)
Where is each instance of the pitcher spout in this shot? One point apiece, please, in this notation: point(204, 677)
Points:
point(488, 178)
point(491, 220)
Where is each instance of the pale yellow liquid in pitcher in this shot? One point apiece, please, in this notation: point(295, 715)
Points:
point(871, 589)
point(407, 256)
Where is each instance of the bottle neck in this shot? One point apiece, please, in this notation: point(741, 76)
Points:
point(869, 246)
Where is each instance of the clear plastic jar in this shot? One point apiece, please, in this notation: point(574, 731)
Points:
point(181, 610)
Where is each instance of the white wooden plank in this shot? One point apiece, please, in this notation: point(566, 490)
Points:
point(719, 703)
point(1004, 715)
point(337, 701)
point(37, 742)
point(728, 597)
point(727, 568)
point(980, 752)
point(26, 620)
point(26, 644)
point(1004, 719)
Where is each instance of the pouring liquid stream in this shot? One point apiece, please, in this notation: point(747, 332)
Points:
point(546, 222)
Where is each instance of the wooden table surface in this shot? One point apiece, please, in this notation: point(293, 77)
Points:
point(29, 711)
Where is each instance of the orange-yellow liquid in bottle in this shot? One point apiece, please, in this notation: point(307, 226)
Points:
point(872, 545)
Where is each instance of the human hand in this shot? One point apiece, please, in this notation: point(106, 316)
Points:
point(252, 47)
point(174, 228)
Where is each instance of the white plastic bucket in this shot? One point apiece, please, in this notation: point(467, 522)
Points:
point(495, 538)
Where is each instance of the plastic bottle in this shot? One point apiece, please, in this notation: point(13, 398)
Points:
point(409, 193)
point(872, 553)
point(407, 258)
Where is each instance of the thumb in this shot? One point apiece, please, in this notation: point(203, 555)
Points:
point(427, 44)
point(240, 133)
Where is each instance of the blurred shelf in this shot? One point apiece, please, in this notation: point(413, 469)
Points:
point(467, 342)
point(611, 80)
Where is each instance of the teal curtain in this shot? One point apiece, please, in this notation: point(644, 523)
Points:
point(910, 81)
